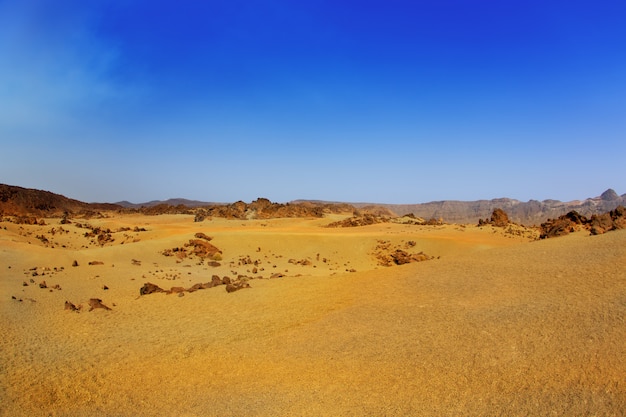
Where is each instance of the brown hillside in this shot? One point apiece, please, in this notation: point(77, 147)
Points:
point(18, 201)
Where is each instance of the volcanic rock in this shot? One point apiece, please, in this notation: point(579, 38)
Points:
point(236, 286)
point(359, 220)
point(216, 280)
point(175, 290)
point(499, 218)
point(201, 235)
point(70, 306)
point(96, 303)
point(149, 288)
point(203, 249)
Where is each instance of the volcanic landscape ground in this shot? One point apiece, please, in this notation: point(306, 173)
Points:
point(484, 321)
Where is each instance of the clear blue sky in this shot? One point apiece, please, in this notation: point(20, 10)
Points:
point(379, 101)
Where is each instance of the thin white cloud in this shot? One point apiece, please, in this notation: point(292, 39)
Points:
point(53, 66)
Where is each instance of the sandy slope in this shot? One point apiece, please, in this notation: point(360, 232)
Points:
point(497, 325)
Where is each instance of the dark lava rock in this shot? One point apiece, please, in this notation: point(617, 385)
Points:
point(149, 288)
point(96, 303)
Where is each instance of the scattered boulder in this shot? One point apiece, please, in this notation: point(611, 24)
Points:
point(200, 286)
point(150, 288)
point(175, 290)
point(71, 307)
point(231, 284)
point(96, 303)
point(199, 247)
point(389, 256)
point(204, 249)
point(236, 286)
point(201, 235)
point(400, 257)
point(216, 280)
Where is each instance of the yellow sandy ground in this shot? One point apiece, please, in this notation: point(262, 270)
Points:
point(497, 325)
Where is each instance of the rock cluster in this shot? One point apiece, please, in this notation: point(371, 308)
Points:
point(231, 286)
point(93, 303)
point(200, 248)
point(389, 256)
point(359, 220)
point(262, 208)
point(573, 221)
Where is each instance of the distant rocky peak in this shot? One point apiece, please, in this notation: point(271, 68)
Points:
point(609, 195)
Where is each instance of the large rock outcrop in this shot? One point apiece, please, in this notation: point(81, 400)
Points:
point(574, 221)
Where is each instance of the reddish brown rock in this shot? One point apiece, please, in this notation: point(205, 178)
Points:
point(70, 306)
point(150, 288)
point(563, 225)
point(203, 249)
point(96, 303)
point(216, 280)
point(200, 286)
point(499, 218)
point(201, 235)
point(612, 220)
point(601, 223)
point(236, 286)
point(175, 290)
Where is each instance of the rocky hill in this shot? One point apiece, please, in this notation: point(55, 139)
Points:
point(263, 208)
point(18, 201)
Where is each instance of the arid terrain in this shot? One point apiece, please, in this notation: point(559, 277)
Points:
point(286, 316)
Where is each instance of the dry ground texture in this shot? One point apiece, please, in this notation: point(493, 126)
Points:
point(495, 324)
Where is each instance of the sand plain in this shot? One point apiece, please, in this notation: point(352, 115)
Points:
point(496, 324)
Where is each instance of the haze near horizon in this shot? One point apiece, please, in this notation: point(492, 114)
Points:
point(390, 102)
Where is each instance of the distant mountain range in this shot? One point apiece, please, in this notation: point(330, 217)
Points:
point(532, 212)
point(23, 201)
point(170, 202)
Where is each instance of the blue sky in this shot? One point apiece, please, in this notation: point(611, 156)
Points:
point(379, 101)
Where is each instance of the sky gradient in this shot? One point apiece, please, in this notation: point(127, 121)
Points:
point(370, 101)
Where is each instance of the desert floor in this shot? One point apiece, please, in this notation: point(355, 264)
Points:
point(495, 324)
